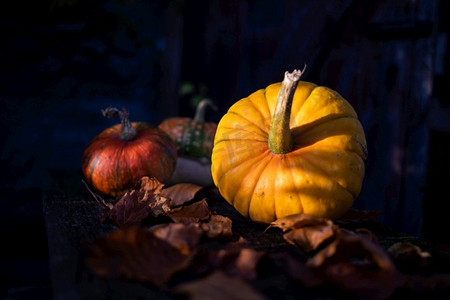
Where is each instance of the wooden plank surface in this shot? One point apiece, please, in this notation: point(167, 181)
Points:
point(73, 220)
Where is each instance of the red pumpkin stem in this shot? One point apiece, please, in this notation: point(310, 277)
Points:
point(280, 137)
point(127, 132)
point(201, 108)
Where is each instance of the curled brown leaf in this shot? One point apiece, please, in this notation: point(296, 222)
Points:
point(298, 221)
point(311, 237)
point(137, 254)
point(138, 203)
point(128, 211)
point(237, 259)
point(194, 213)
point(180, 193)
point(216, 226)
point(212, 224)
point(306, 231)
point(182, 237)
point(357, 265)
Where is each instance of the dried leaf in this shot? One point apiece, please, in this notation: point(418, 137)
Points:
point(137, 254)
point(306, 231)
point(138, 203)
point(311, 237)
point(218, 286)
point(194, 213)
point(357, 265)
point(348, 245)
point(180, 236)
point(181, 193)
point(150, 185)
point(217, 226)
point(409, 258)
point(237, 259)
point(149, 190)
point(159, 205)
point(129, 210)
point(298, 221)
point(199, 213)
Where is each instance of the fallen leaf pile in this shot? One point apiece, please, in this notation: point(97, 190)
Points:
point(171, 238)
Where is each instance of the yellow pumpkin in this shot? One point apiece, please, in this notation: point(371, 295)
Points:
point(293, 147)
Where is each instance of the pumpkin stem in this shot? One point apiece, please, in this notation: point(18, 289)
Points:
point(280, 137)
point(127, 132)
point(201, 108)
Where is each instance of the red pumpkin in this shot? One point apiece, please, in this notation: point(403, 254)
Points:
point(121, 155)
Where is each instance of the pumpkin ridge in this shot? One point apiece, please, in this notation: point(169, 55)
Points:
point(249, 121)
point(271, 156)
point(118, 167)
point(327, 175)
point(299, 86)
point(363, 148)
point(265, 136)
point(275, 188)
point(244, 140)
point(336, 99)
point(295, 186)
point(232, 168)
point(319, 148)
point(258, 108)
point(298, 131)
point(318, 122)
point(90, 159)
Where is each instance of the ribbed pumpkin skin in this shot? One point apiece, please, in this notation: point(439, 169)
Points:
point(323, 173)
point(193, 139)
point(111, 165)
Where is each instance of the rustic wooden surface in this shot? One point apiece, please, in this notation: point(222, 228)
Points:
point(73, 221)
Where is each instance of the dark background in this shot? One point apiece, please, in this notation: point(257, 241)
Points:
point(62, 61)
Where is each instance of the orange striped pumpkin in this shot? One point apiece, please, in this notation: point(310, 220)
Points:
point(293, 147)
point(117, 158)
